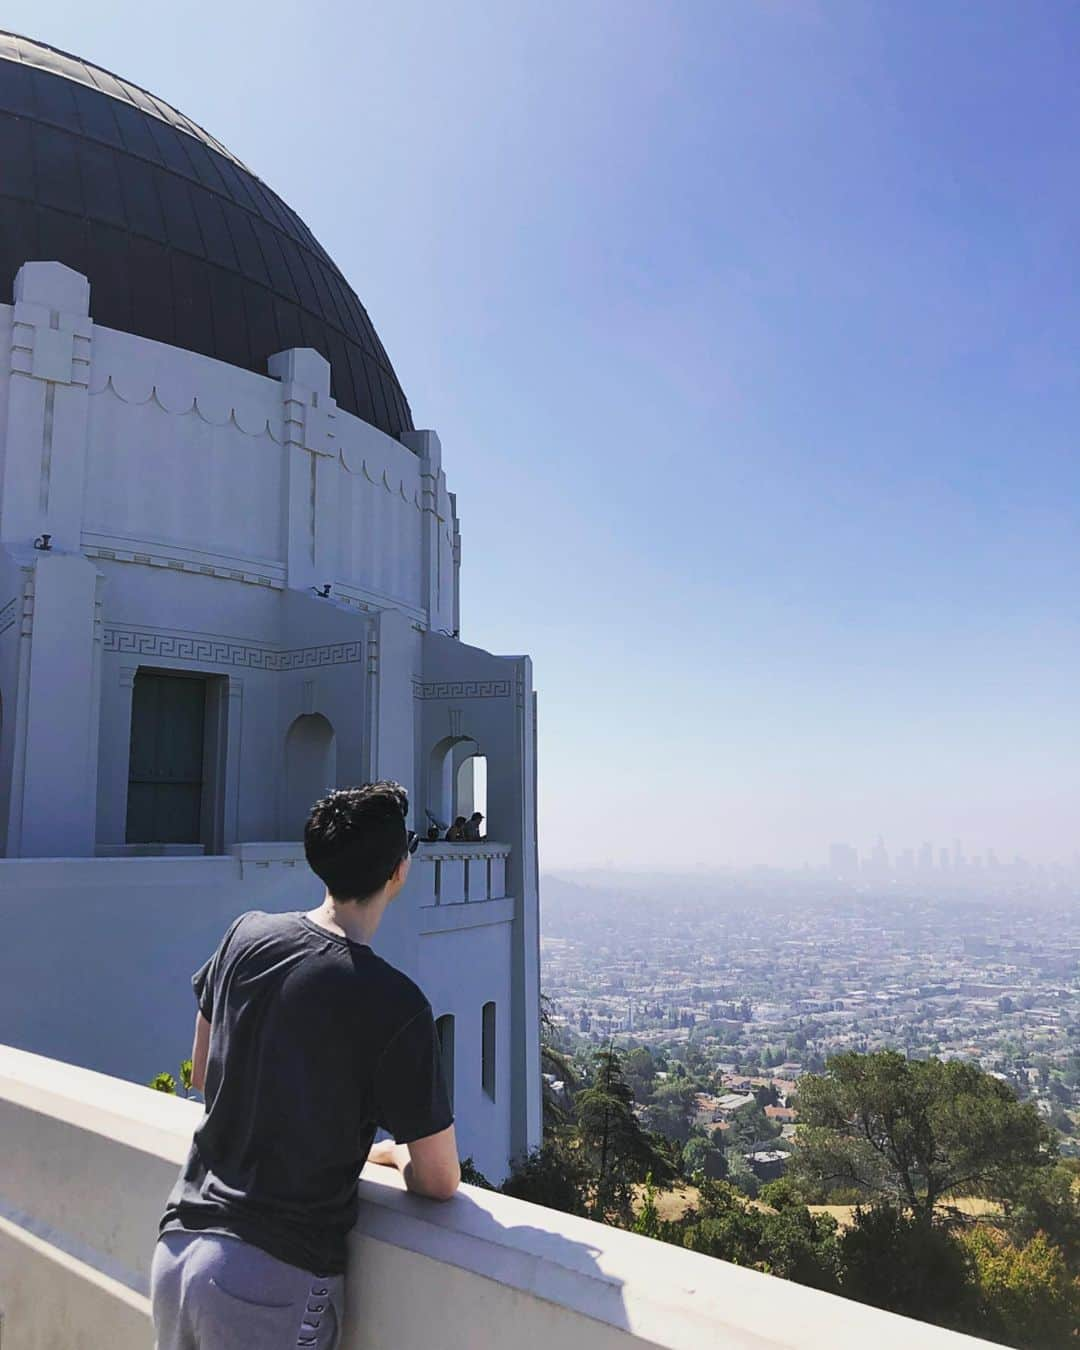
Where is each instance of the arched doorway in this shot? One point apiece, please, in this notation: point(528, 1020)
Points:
point(310, 770)
point(444, 763)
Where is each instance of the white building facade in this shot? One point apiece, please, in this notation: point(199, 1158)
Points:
point(222, 592)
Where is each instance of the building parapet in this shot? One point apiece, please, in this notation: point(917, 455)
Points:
point(88, 1160)
point(462, 873)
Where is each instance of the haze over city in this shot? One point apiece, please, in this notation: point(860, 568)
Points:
point(787, 384)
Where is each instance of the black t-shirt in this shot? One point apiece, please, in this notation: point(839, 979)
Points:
point(315, 1041)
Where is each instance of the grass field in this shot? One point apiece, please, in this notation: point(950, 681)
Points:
point(674, 1204)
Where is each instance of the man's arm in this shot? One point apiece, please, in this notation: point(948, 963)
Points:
point(429, 1166)
point(200, 1049)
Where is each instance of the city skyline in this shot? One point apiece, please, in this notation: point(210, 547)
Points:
point(845, 858)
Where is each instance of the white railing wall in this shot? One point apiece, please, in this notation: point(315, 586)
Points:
point(87, 1161)
point(455, 874)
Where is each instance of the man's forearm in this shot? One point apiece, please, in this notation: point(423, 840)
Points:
point(388, 1154)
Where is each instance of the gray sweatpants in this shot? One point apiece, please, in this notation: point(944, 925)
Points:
point(218, 1293)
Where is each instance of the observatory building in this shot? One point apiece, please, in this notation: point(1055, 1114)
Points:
point(229, 579)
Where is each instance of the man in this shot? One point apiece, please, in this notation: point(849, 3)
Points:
point(456, 833)
point(306, 1042)
point(472, 826)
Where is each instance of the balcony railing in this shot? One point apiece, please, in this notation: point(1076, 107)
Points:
point(458, 874)
point(87, 1161)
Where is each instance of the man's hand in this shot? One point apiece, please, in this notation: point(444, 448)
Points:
point(384, 1153)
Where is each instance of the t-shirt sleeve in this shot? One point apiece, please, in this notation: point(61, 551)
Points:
point(411, 1096)
point(205, 980)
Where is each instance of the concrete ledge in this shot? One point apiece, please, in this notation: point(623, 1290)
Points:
point(53, 873)
point(87, 1162)
point(465, 914)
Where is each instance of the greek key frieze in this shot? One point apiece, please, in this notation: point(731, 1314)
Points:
point(222, 652)
point(463, 689)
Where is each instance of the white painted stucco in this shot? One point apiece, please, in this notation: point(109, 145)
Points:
point(195, 509)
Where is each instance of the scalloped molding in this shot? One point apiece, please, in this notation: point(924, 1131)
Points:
point(251, 419)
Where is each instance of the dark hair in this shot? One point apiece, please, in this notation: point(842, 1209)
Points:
point(355, 837)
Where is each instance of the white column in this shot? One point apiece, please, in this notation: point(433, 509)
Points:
point(311, 449)
point(390, 661)
point(46, 420)
point(54, 781)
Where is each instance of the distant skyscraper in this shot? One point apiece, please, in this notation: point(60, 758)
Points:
point(926, 858)
point(943, 859)
point(957, 854)
point(879, 857)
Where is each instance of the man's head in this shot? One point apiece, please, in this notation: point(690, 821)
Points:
point(477, 817)
point(356, 842)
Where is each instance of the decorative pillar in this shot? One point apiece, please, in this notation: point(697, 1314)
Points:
point(52, 807)
point(54, 779)
point(311, 449)
point(437, 570)
point(44, 467)
point(526, 1112)
point(392, 735)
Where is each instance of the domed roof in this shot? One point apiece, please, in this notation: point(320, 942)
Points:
point(180, 241)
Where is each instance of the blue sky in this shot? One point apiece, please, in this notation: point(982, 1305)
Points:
point(752, 334)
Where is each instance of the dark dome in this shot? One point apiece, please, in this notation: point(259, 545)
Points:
point(180, 241)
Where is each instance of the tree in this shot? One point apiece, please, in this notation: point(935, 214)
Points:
point(1047, 1202)
point(640, 1071)
point(741, 1174)
point(749, 1126)
point(165, 1082)
point(557, 1112)
point(699, 1155)
point(472, 1176)
point(723, 1226)
point(801, 1246)
point(671, 1109)
point(617, 1152)
point(780, 1194)
point(892, 1260)
point(792, 1243)
point(1027, 1295)
point(551, 1175)
point(914, 1132)
point(767, 1095)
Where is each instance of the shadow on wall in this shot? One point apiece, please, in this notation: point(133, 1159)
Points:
point(468, 1291)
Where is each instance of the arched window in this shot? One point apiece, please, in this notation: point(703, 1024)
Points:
point(472, 787)
point(310, 770)
point(445, 1027)
point(487, 1051)
point(451, 779)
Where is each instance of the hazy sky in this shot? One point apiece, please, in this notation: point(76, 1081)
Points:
point(752, 334)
